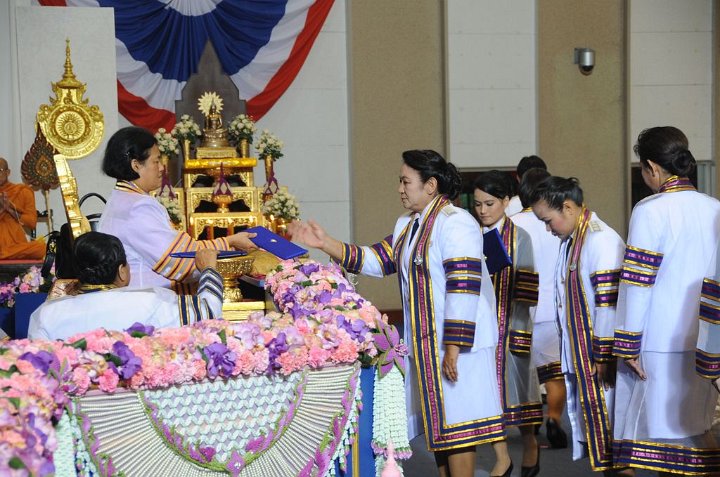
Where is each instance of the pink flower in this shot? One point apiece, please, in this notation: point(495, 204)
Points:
point(81, 379)
point(108, 381)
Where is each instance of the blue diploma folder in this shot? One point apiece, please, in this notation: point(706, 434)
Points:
point(221, 254)
point(496, 256)
point(275, 244)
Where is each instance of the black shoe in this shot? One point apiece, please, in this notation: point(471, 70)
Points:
point(507, 473)
point(555, 434)
point(533, 470)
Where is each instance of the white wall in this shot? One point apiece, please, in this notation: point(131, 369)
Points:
point(671, 70)
point(491, 82)
point(311, 117)
point(40, 51)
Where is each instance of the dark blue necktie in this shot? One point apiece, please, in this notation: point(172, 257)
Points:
point(416, 224)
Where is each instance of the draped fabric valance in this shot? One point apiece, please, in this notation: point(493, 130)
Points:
point(261, 44)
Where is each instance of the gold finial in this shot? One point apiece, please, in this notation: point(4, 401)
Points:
point(69, 123)
point(68, 80)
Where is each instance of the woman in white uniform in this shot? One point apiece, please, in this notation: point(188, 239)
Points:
point(103, 299)
point(142, 224)
point(545, 350)
point(516, 292)
point(448, 306)
point(586, 283)
point(663, 408)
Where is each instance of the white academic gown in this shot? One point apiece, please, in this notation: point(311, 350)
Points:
point(546, 336)
point(672, 239)
point(599, 268)
point(447, 297)
point(515, 300)
point(119, 308)
point(143, 226)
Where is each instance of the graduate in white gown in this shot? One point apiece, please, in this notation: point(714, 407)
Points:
point(448, 305)
point(586, 281)
point(142, 224)
point(526, 163)
point(545, 349)
point(105, 301)
point(663, 408)
point(707, 354)
point(516, 293)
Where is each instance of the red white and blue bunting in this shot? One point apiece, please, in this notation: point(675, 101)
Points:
point(261, 45)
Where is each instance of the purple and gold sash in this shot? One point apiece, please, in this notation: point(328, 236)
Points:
point(439, 435)
point(579, 324)
point(516, 341)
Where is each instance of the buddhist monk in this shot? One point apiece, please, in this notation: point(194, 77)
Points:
point(17, 210)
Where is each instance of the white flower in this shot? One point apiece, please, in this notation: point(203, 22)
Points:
point(283, 205)
point(269, 144)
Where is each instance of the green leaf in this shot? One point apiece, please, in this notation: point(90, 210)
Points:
point(334, 286)
point(115, 359)
point(137, 334)
point(15, 402)
point(16, 463)
point(223, 337)
point(306, 283)
point(79, 344)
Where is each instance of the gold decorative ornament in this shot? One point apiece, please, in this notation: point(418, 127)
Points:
point(231, 269)
point(72, 126)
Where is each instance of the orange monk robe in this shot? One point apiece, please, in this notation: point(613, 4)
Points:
point(14, 244)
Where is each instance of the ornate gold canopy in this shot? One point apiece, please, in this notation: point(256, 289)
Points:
point(73, 127)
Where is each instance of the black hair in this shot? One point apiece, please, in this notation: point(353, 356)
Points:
point(496, 183)
point(98, 257)
point(530, 181)
point(555, 190)
point(431, 164)
point(667, 147)
point(527, 163)
point(125, 145)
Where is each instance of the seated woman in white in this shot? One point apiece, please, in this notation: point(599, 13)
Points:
point(104, 301)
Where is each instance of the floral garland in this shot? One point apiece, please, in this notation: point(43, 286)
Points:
point(186, 129)
point(269, 145)
point(325, 322)
point(282, 204)
point(168, 145)
point(242, 127)
point(28, 282)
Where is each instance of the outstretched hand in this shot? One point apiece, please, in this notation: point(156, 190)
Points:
point(308, 233)
point(241, 241)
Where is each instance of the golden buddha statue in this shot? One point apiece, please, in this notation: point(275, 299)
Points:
point(214, 134)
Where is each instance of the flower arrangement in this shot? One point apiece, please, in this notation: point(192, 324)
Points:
point(167, 144)
point(29, 282)
point(186, 129)
point(172, 207)
point(322, 321)
point(283, 205)
point(269, 145)
point(242, 127)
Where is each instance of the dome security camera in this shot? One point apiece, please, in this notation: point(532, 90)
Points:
point(585, 59)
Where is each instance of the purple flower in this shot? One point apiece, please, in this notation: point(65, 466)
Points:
point(392, 350)
point(325, 296)
point(137, 329)
point(235, 464)
point(220, 360)
point(42, 361)
point(208, 453)
point(276, 347)
point(309, 268)
point(129, 363)
point(356, 329)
